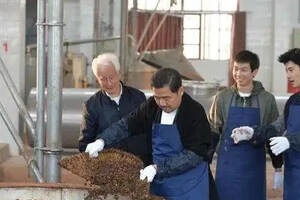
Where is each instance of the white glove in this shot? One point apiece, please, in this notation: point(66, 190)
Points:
point(279, 144)
point(149, 172)
point(95, 147)
point(242, 133)
point(278, 180)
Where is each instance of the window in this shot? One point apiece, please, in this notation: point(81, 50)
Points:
point(206, 26)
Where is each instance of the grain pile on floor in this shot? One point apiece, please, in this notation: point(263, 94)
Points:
point(114, 171)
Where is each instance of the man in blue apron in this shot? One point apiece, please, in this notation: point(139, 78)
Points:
point(289, 124)
point(241, 168)
point(177, 135)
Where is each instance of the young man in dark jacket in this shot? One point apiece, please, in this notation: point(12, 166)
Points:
point(113, 101)
point(178, 136)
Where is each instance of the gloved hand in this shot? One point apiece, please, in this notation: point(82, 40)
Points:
point(95, 147)
point(278, 180)
point(149, 172)
point(279, 144)
point(242, 133)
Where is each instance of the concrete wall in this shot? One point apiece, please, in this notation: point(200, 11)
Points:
point(212, 71)
point(286, 19)
point(269, 28)
point(12, 51)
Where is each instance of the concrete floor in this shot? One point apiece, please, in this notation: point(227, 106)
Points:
point(14, 170)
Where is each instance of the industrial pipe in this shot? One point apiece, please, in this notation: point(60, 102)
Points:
point(41, 78)
point(54, 90)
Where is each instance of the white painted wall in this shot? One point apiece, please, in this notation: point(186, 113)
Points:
point(286, 19)
point(269, 26)
point(259, 35)
point(212, 71)
point(12, 33)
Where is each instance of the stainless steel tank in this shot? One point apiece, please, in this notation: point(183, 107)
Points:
point(281, 100)
point(201, 91)
point(72, 99)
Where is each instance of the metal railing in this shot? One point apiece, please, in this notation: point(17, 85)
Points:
point(25, 115)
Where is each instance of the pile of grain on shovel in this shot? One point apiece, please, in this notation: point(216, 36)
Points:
point(113, 172)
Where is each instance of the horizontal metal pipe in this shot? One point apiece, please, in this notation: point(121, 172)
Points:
point(77, 42)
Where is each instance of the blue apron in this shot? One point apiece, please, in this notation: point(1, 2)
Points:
point(292, 158)
point(241, 168)
point(191, 185)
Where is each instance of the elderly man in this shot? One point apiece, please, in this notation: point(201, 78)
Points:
point(113, 101)
point(178, 136)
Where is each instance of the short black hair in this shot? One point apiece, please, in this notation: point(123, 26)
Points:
point(246, 56)
point(291, 55)
point(167, 77)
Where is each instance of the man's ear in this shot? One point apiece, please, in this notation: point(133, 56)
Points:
point(181, 90)
point(254, 72)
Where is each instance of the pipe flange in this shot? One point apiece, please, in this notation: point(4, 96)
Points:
point(49, 24)
point(49, 151)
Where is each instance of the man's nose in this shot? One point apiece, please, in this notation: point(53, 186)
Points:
point(162, 102)
point(110, 82)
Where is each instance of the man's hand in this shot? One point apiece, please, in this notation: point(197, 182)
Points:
point(149, 172)
point(95, 147)
point(279, 144)
point(242, 133)
point(278, 180)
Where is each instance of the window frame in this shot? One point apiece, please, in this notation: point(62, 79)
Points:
point(201, 14)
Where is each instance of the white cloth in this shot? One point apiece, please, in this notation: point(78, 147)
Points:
point(94, 147)
point(244, 94)
point(148, 172)
point(278, 180)
point(279, 144)
point(117, 98)
point(168, 118)
point(242, 133)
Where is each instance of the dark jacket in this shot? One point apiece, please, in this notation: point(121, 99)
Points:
point(99, 112)
point(193, 128)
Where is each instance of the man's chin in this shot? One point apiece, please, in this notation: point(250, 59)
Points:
point(167, 110)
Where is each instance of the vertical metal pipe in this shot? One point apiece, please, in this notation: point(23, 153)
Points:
point(134, 19)
point(40, 125)
point(54, 91)
point(96, 27)
point(111, 18)
point(123, 41)
point(132, 45)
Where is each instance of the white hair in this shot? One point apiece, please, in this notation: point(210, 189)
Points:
point(105, 59)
